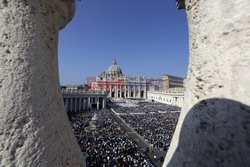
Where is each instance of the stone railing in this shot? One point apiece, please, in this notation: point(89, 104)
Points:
point(84, 92)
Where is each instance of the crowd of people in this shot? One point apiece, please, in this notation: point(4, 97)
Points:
point(154, 121)
point(156, 128)
point(147, 107)
point(108, 145)
point(79, 121)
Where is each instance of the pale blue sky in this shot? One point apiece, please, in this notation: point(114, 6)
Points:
point(147, 37)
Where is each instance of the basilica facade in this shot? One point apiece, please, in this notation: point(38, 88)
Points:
point(113, 83)
point(118, 85)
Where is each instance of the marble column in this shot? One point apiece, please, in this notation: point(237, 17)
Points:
point(115, 92)
point(86, 104)
point(129, 91)
point(125, 91)
point(76, 105)
point(83, 104)
point(89, 103)
point(134, 91)
point(97, 103)
point(80, 104)
point(139, 94)
point(116, 89)
point(71, 104)
point(104, 103)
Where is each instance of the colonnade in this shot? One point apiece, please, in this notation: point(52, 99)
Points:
point(77, 103)
point(127, 91)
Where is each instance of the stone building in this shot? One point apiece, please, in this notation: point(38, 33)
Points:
point(118, 85)
point(170, 81)
point(165, 83)
point(173, 96)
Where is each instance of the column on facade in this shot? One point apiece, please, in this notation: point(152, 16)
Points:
point(75, 106)
point(125, 96)
point(86, 102)
point(145, 91)
point(80, 104)
point(71, 104)
point(83, 104)
point(92, 100)
point(129, 93)
point(116, 92)
point(97, 102)
point(104, 102)
point(134, 94)
point(139, 94)
point(89, 103)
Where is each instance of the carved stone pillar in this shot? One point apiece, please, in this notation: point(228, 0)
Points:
point(213, 128)
point(34, 129)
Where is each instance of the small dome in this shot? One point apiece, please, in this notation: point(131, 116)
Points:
point(114, 69)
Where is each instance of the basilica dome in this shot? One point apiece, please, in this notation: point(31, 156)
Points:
point(114, 69)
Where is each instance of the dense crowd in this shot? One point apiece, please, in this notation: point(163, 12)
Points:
point(156, 128)
point(80, 121)
point(154, 121)
point(108, 145)
point(147, 107)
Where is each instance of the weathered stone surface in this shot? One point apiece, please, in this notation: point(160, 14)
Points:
point(213, 129)
point(34, 130)
point(215, 132)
